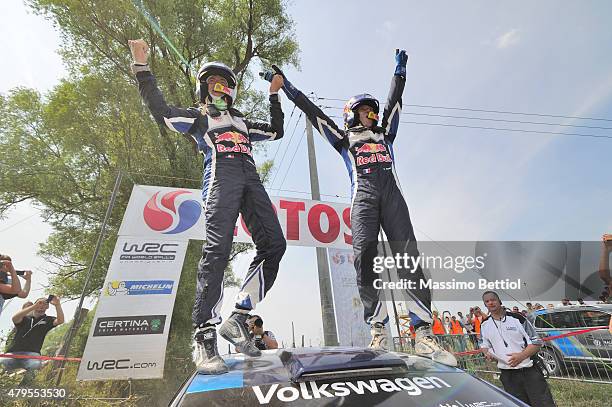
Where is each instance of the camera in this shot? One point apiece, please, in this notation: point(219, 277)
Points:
point(50, 298)
point(259, 343)
point(20, 272)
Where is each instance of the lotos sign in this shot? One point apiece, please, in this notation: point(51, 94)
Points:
point(176, 213)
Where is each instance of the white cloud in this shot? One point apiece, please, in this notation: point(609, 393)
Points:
point(508, 39)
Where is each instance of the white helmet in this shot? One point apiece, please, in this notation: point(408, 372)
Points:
point(216, 68)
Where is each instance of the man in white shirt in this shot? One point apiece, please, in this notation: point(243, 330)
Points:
point(511, 339)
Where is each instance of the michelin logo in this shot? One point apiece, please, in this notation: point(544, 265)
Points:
point(114, 288)
point(312, 390)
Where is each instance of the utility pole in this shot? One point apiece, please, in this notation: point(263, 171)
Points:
point(330, 334)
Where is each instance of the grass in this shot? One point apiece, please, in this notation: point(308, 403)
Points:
point(571, 393)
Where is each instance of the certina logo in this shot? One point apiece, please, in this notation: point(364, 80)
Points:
point(148, 287)
point(167, 218)
point(132, 325)
point(311, 390)
point(118, 364)
point(148, 251)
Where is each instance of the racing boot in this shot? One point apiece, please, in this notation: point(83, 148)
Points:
point(427, 346)
point(235, 331)
point(379, 336)
point(208, 360)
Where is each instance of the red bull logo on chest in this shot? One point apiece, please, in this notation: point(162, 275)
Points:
point(375, 153)
point(241, 144)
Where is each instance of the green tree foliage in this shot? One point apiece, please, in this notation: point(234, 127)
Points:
point(62, 150)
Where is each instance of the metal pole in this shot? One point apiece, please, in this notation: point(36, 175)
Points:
point(75, 320)
point(292, 335)
point(330, 334)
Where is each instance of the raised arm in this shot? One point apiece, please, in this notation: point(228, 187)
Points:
point(15, 286)
point(324, 125)
point(25, 291)
point(18, 317)
point(176, 119)
point(259, 131)
point(58, 309)
point(393, 108)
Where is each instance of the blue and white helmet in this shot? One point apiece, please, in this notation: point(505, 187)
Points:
point(350, 116)
point(216, 68)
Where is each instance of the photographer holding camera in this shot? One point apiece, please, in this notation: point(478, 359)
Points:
point(10, 286)
point(263, 339)
point(31, 328)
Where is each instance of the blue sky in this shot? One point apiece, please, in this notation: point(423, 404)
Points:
point(461, 184)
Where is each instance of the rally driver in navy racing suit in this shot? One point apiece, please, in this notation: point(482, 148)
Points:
point(231, 185)
point(367, 151)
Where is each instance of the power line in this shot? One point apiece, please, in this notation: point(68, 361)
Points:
point(297, 147)
point(199, 180)
point(21, 220)
point(512, 130)
point(488, 119)
point(503, 129)
point(490, 111)
point(286, 149)
point(289, 121)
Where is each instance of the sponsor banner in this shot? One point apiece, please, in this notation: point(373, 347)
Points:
point(352, 330)
point(121, 365)
point(144, 287)
point(134, 311)
point(129, 325)
point(176, 214)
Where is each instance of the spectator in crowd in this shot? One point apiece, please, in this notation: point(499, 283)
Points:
point(477, 320)
point(511, 339)
point(604, 262)
point(466, 322)
point(10, 286)
point(529, 307)
point(31, 327)
point(565, 302)
point(550, 306)
point(538, 306)
point(455, 326)
point(437, 327)
point(515, 309)
point(263, 339)
point(447, 325)
point(456, 329)
point(581, 301)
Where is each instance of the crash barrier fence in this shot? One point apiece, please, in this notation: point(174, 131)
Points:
point(580, 355)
